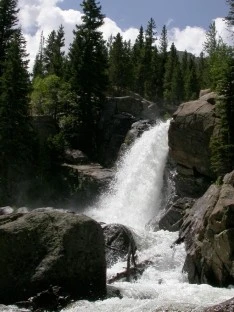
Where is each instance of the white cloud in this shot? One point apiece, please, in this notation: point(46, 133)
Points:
point(45, 15)
point(190, 39)
point(223, 31)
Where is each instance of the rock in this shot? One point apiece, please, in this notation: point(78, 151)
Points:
point(112, 134)
point(209, 97)
point(52, 299)
point(75, 157)
point(90, 181)
point(22, 210)
point(135, 132)
point(208, 232)
point(137, 129)
point(118, 115)
point(204, 92)
point(118, 242)
point(227, 306)
point(40, 250)
point(113, 291)
point(6, 210)
point(135, 105)
point(172, 219)
point(189, 138)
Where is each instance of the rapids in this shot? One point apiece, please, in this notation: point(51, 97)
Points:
point(133, 199)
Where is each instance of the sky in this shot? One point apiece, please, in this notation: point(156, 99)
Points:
point(187, 20)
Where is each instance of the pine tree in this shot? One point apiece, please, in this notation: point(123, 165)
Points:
point(191, 85)
point(150, 54)
point(15, 130)
point(163, 55)
point(120, 66)
point(230, 17)
point(8, 22)
point(53, 53)
point(172, 80)
point(138, 62)
point(203, 72)
point(88, 61)
point(39, 65)
point(211, 43)
point(222, 142)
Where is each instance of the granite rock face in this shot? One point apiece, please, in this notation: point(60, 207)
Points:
point(189, 137)
point(40, 250)
point(208, 232)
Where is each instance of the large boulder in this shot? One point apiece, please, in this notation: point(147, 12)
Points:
point(189, 137)
point(208, 232)
point(172, 218)
point(226, 306)
point(112, 133)
point(86, 182)
point(40, 250)
point(119, 242)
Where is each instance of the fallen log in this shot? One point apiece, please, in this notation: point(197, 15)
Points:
point(131, 272)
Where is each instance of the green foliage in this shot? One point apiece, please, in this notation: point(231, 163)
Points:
point(8, 22)
point(222, 142)
point(15, 130)
point(50, 96)
point(50, 59)
point(230, 17)
point(120, 68)
point(173, 78)
point(88, 65)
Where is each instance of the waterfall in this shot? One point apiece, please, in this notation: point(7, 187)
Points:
point(133, 199)
point(134, 196)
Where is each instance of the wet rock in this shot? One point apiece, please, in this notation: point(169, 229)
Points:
point(75, 157)
point(112, 134)
point(189, 137)
point(6, 210)
point(227, 306)
point(43, 249)
point(208, 232)
point(172, 219)
point(52, 299)
point(113, 291)
point(119, 241)
point(90, 180)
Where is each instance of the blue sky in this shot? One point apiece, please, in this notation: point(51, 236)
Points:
point(133, 13)
point(186, 20)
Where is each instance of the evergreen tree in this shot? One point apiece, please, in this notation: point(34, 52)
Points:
point(120, 66)
point(138, 62)
point(53, 53)
point(8, 22)
point(191, 85)
point(230, 17)
point(150, 54)
point(222, 142)
point(173, 84)
point(203, 72)
point(163, 45)
point(15, 130)
point(39, 65)
point(163, 42)
point(211, 43)
point(88, 61)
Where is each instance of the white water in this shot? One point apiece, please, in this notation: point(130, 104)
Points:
point(134, 196)
point(133, 199)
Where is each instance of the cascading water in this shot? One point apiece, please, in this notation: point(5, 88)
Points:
point(134, 196)
point(133, 199)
